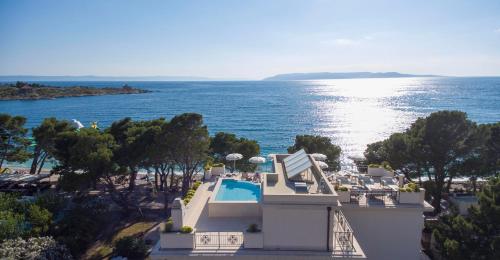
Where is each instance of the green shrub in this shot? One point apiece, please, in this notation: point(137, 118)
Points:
point(386, 166)
point(189, 195)
point(218, 165)
point(131, 247)
point(412, 187)
point(342, 188)
point(167, 227)
point(196, 185)
point(186, 229)
point(253, 228)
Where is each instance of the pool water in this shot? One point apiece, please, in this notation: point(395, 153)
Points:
point(234, 190)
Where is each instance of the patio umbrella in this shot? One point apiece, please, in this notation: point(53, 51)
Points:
point(234, 157)
point(77, 124)
point(322, 165)
point(318, 156)
point(257, 160)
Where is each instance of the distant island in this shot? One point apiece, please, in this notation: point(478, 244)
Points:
point(30, 91)
point(31, 78)
point(342, 75)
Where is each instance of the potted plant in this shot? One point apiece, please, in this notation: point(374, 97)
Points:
point(411, 194)
point(253, 237)
point(344, 193)
point(184, 238)
point(379, 170)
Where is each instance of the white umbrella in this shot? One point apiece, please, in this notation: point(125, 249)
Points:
point(318, 156)
point(78, 124)
point(257, 160)
point(234, 157)
point(322, 165)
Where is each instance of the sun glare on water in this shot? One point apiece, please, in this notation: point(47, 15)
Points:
point(357, 112)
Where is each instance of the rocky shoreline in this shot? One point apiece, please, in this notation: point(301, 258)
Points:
point(34, 91)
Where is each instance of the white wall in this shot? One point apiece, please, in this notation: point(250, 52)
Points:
point(294, 227)
point(234, 209)
point(386, 233)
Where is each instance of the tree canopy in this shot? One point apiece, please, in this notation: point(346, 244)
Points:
point(318, 144)
point(476, 236)
point(443, 145)
point(223, 144)
point(13, 141)
point(45, 136)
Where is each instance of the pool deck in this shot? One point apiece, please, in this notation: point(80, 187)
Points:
point(197, 215)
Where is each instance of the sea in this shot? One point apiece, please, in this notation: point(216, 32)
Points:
point(351, 112)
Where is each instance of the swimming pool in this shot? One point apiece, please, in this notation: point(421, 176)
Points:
point(235, 190)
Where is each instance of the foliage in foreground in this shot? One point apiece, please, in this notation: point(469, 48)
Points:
point(476, 236)
point(33, 248)
point(443, 145)
point(131, 247)
point(22, 218)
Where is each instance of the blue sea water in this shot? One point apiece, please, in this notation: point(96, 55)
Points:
point(352, 112)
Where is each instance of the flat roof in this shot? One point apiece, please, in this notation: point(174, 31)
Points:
point(277, 187)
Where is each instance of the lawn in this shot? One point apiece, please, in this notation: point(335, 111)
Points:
point(104, 249)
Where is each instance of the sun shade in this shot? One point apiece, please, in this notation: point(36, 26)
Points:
point(297, 163)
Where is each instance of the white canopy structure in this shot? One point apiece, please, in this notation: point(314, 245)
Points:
point(234, 157)
point(297, 163)
point(322, 165)
point(319, 156)
point(257, 160)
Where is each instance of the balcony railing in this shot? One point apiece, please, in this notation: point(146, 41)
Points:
point(343, 234)
point(365, 197)
point(218, 240)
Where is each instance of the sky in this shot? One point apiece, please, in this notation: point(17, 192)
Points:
point(248, 39)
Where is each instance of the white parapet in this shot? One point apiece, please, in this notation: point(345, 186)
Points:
point(177, 240)
point(218, 171)
point(379, 172)
point(253, 240)
point(344, 196)
point(178, 213)
point(412, 197)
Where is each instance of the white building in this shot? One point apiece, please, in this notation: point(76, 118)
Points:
point(300, 215)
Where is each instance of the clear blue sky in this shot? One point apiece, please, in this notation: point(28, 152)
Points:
point(248, 39)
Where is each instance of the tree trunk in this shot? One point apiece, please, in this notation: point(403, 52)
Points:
point(474, 184)
point(166, 196)
point(131, 184)
point(185, 185)
point(156, 178)
point(172, 178)
point(439, 179)
point(34, 163)
point(42, 163)
point(163, 186)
